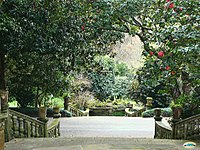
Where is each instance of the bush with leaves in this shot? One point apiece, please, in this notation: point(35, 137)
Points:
point(108, 80)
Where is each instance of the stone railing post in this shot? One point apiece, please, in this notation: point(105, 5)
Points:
point(177, 113)
point(157, 117)
point(8, 129)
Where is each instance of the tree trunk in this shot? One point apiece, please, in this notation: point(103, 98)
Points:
point(2, 71)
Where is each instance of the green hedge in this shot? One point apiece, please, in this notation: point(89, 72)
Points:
point(33, 112)
point(165, 112)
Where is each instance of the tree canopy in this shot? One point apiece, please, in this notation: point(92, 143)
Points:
point(43, 40)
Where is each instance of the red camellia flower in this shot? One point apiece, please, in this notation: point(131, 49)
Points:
point(171, 5)
point(83, 28)
point(180, 8)
point(167, 0)
point(167, 67)
point(160, 53)
point(151, 53)
point(173, 73)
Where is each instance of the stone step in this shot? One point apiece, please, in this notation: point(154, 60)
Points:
point(96, 143)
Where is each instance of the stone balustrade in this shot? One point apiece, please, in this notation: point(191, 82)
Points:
point(186, 129)
point(53, 130)
point(162, 131)
point(19, 125)
point(76, 112)
point(24, 126)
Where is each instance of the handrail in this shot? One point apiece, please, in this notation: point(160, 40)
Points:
point(162, 131)
point(188, 119)
point(28, 118)
point(188, 128)
point(53, 130)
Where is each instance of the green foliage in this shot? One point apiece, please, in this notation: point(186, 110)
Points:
point(165, 112)
point(41, 41)
point(118, 113)
point(105, 83)
point(33, 112)
point(30, 111)
point(171, 41)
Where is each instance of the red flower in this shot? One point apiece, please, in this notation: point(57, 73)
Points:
point(151, 53)
point(180, 8)
point(160, 53)
point(83, 28)
point(171, 5)
point(167, 0)
point(173, 73)
point(167, 67)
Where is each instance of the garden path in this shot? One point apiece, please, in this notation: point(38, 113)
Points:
point(107, 126)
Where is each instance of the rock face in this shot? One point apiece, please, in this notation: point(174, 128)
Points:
point(130, 51)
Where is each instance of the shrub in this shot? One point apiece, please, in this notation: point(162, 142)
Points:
point(165, 112)
point(33, 112)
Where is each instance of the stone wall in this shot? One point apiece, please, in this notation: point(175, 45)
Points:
point(105, 111)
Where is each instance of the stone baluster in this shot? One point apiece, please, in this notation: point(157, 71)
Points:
point(37, 130)
point(28, 126)
point(59, 129)
point(21, 127)
point(185, 130)
point(56, 131)
point(15, 126)
point(32, 130)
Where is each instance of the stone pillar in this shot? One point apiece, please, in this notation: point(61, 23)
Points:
point(56, 112)
point(3, 115)
point(177, 113)
point(157, 117)
point(42, 113)
point(157, 113)
point(149, 103)
point(2, 140)
point(4, 101)
point(66, 102)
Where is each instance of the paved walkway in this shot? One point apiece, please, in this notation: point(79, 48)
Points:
point(98, 143)
point(136, 127)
